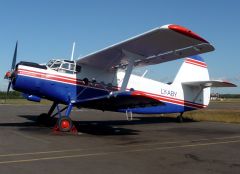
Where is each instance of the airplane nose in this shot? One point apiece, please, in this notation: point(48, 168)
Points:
point(8, 75)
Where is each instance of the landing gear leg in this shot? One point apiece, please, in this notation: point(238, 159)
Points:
point(180, 118)
point(64, 123)
point(45, 118)
point(54, 105)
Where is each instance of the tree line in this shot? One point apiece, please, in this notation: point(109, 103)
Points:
point(229, 95)
point(11, 95)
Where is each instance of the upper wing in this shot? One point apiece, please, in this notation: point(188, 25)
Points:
point(211, 83)
point(162, 44)
point(119, 100)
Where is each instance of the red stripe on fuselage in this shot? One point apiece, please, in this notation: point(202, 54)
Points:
point(75, 81)
point(169, 99)
point(62, 79)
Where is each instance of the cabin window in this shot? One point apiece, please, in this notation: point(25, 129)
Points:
point(72, 67)
point(65, 66)
point(78, 68)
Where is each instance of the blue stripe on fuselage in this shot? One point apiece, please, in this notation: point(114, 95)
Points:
point(162, 109)
point(55, 91)
point(64, 93)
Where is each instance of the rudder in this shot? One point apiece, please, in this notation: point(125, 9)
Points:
point(193, 69)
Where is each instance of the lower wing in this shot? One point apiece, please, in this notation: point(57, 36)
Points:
point(119, 100)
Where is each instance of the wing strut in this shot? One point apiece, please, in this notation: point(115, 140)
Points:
point(131, 58)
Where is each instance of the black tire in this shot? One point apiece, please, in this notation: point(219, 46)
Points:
point(65, 124)
point(180, 119)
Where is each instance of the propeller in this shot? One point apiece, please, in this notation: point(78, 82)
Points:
point(9, 74)
point(14, 57)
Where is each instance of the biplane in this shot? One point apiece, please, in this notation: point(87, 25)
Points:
point(103, 80)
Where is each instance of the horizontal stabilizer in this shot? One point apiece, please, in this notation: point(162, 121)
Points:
point(210, 83)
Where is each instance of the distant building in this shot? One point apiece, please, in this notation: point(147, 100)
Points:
point(215, 96)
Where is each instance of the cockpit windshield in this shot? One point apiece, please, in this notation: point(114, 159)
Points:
point(49, 64)
point(64, 66)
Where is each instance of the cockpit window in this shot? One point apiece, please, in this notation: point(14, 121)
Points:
point(56, 65)
point(64, 66)
point(49, 64)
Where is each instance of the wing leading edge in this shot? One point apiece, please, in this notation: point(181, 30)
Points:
point(159, 45)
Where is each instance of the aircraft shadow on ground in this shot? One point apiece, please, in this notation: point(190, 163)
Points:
point(103, 127)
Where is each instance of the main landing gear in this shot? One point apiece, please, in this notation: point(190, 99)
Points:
point(180, 118)
point(63, 124)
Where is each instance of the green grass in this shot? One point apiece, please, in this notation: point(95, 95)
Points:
point(227, 116)
point(23, 102)
point(223, 114)
point(228, 100)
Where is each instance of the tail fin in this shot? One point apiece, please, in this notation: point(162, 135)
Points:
point(194, 69)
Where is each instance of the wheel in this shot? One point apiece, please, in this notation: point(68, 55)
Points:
point(43, 118)
point(180, 119)
point(65, 124)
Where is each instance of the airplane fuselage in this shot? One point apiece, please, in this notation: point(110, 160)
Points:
point(64, 88)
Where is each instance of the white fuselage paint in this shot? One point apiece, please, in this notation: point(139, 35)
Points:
point(175, 93)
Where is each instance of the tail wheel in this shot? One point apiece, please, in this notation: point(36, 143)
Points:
point(65, 124)
point(180, 119)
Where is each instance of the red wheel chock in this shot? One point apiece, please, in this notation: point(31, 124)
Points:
point(57, 130)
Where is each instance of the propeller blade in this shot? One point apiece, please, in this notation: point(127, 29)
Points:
point(8, 89)
point(9, 85)
point(9, 73)
point(14, 56)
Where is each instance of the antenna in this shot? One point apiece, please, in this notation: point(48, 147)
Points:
point(73, 51)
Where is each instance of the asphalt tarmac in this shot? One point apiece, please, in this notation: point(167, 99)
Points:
point(107, 143)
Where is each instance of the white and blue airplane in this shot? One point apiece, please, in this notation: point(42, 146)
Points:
point(103, 80)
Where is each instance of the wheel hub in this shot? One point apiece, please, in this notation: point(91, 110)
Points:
point(65, 124)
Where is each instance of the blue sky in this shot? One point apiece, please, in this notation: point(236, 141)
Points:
point(46, 29)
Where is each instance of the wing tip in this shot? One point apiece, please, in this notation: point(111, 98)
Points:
point(229, 84)
point(184, 31)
